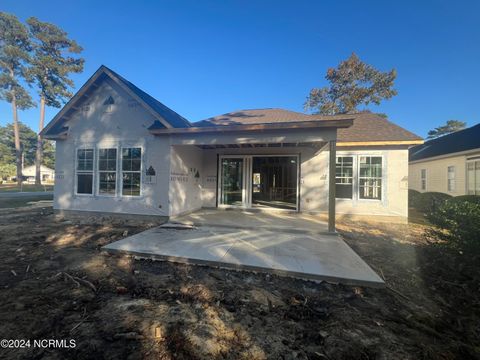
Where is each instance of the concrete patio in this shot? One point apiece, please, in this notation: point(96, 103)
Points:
point(291, 244)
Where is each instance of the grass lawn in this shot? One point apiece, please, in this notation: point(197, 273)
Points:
point(25, 188)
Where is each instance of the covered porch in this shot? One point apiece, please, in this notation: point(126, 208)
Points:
point(277, 168)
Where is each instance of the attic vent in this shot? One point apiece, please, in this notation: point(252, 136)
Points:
point(109, 101)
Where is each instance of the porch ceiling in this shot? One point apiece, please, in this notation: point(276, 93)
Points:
point(314, 144)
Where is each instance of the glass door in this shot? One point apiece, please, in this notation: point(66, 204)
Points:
point(232, 184)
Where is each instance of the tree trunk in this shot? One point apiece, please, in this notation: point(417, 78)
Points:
point(39, 153)
point(16, 132)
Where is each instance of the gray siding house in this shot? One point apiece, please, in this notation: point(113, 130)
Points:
point(119, 150)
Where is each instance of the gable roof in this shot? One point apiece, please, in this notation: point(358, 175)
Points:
point(367, 127)
point(165, 112)
point(463, 140)
point(164, 115)
point(370, 127)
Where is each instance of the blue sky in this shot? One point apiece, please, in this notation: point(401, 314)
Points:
point(204, 58)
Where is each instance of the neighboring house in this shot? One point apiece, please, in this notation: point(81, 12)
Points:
point(46, 174)
point(119, 150)
point(449, 164)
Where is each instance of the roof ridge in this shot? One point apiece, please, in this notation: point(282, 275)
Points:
point(442, 137)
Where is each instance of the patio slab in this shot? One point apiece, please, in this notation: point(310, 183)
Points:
point(269, 220)
point(307, 255)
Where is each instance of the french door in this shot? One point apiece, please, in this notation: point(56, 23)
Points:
point(261, 181)
point(234, 181)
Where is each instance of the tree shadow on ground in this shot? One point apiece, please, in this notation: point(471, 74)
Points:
point(150, 309)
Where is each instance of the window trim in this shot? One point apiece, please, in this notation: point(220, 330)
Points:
point(98, 171)
point(473, 161)
point(422, 179)
point(356, 174)
point(84, 171)
point(353, 177)
point(382, 178)
point(121, 171)
point(454, 180)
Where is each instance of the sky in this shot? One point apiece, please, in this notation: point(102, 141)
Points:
point(205, 58)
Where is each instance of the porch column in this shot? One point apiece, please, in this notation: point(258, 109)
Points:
point(331, 185)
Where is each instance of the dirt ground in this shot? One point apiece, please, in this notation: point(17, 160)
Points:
point(56, 283)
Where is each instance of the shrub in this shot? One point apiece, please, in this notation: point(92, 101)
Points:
point(429, 201)
point(474, 199)
point(413, 196)
point(460, 221)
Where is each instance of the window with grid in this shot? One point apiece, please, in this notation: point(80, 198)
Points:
point(370, 177)
point(131, 171)
point(85, 171)
point(451, 178)
point(473, 177)
point(344, 177)
point(107, 171)
point(423, 179)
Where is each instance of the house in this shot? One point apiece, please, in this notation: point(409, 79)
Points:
point(119, 150)
point(46, 174)
point(449, 164)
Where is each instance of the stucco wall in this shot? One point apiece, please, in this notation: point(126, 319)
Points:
point(437, 174)
point(309, 190)
point(395, 190)
point(185, 179)
point(125, 125)
point(314, 180)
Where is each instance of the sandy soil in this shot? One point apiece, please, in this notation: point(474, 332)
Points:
point(56, 283)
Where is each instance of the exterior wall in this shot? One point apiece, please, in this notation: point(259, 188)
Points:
point(437, 176)
point(185, 189)
point(395, 185)
point(311, 181)
point(125, 125)
point(175, 189)
point(314, 165)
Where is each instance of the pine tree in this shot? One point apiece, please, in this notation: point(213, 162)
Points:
point(50, 71)
point(352, 83)
point(14, 57)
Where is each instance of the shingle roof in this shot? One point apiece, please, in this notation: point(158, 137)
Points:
point(263, 116)
point(366, 126)
point(462, 140)
point(372, 127)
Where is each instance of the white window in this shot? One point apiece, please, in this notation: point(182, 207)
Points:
point(131, 171)
point(451, 178)
point(423, 179)
point(370, 177)
point(473, 177)
point(344, 177)
point(107, 171)
point(85, 171)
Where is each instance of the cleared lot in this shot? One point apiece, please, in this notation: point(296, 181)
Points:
point(55, 282)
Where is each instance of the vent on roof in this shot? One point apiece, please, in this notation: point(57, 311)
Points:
point(109, 103)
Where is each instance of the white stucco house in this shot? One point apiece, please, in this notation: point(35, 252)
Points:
point(119, 150)
point(46, 174)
